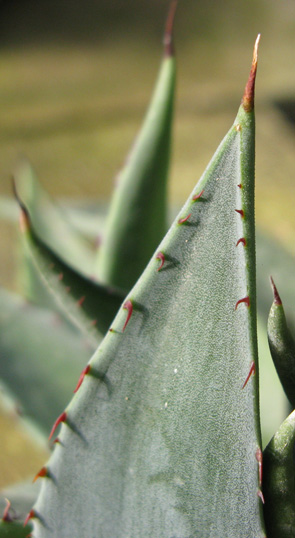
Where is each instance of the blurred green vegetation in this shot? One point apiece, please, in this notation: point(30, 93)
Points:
point(76, 77)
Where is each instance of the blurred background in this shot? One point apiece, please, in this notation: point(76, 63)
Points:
point(75, 80)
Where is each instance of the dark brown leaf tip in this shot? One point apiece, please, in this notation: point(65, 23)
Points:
point(248, 97)
point(168, 36)
point(277, 299)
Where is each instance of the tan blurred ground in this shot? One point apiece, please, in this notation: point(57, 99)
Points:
point(74, 110)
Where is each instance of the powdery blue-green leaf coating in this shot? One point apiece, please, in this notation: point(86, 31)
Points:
point(163, 435)
point(138, 213)
point(41, 358)
point(278, 482)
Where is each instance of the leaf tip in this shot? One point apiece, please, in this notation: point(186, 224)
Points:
point(248, 97)
point(169, 49)
point(277, 298)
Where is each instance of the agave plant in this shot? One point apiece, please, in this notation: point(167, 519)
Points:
point(162, 437)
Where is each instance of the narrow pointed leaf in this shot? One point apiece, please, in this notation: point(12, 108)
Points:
point(274, 406)
point(282, 346)
point(90, 305)
point(162, 439)
point(51, 222)
point(41, 358)
point(138, 214)
point(278, 482)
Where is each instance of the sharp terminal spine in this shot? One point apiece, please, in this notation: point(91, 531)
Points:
point(59, 420)
point(129, 307)
point(277, 298)
point(160, 256)
point(261, 496)
point(197, 196)
point(241, 212)
point(245, 300)
point(41, 474)
point(242, 240)
point(185, 219)
point(251, 372)
point(240, 185)
point(81, 378)
point(248, 97)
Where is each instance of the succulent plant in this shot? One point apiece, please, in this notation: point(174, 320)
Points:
point(162, 437)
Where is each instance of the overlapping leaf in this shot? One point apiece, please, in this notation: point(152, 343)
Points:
point(137, 220)
point(163, 438)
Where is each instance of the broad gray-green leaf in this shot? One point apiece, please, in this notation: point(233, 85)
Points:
point(41, 358)
point(163, 435)
point(89, 304)
point(138, 214)
point(282, 346)
point(278, 482)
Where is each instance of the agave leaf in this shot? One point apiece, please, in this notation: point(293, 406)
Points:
point(163, 435)
point(51, 222)
point(137, 219)
point(40, 358)
point(274, 406)
point(90, 305)
point(21, 497)
point(282, 346)
point(278, 482)
point(14, 529)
